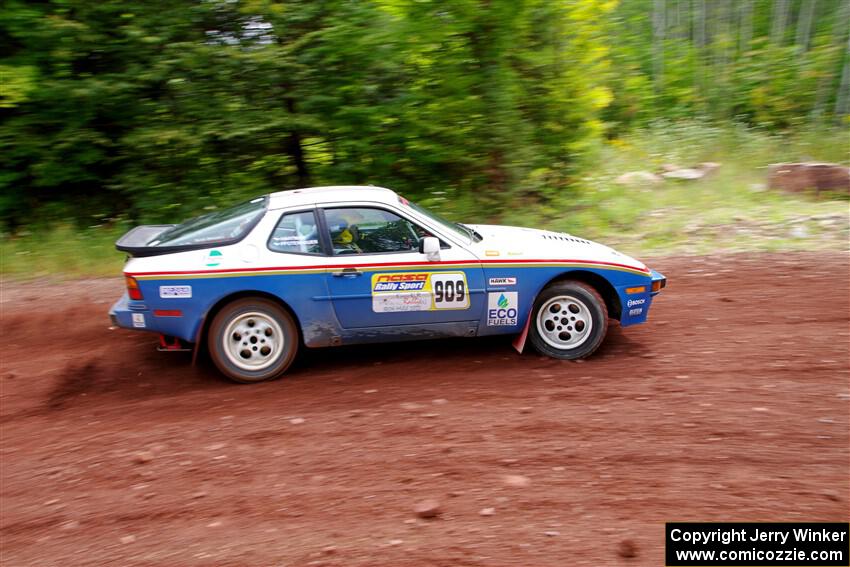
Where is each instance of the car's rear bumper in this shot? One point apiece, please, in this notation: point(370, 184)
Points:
point(129, 315)
point(139, 315)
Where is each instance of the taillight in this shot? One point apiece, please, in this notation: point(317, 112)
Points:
point(133, 288)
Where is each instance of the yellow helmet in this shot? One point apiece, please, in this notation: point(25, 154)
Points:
point(344, 237)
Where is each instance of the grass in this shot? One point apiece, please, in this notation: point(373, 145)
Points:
point(730, 211)
point(63, 251)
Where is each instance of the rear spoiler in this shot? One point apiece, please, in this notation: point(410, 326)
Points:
point(135, 242)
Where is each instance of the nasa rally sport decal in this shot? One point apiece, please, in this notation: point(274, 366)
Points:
point(419, 291)
point(502, 308)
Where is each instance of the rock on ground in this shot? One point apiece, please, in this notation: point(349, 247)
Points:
point(798, 177)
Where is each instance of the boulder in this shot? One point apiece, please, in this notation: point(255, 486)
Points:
point(798, 177)
point(639, 178)
point(689, 173)
point(427, 509)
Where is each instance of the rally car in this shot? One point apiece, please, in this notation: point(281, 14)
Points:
point(331, 266)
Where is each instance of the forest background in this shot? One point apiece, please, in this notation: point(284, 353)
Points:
point(115, 113)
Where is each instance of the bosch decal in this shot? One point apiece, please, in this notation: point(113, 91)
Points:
point(633, 302)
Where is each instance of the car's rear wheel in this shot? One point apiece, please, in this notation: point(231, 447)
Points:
point(570, 320)
point(252, 340)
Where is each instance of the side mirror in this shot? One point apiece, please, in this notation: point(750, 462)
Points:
point(430, 246)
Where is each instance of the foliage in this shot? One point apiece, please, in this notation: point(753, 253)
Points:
point(61, 251)
point(158, 110)
point(731, 211)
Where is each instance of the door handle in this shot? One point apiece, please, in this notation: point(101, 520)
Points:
point(347, 273)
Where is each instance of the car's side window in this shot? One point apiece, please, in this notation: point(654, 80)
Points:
point(363, 230)
point(296, 233)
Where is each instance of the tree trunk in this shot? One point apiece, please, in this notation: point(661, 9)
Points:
point(843, 96)
point(699, 41)
point(296, 150)
point(659, 22)
point(746, 26)
point(699, 24)
point(777, 29)
point(839, 27)
point(804, 25)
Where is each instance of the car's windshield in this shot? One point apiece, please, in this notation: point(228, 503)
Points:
point(218, 226)
point(458, 229)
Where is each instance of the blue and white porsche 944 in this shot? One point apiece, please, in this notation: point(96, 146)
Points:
point(332, 266)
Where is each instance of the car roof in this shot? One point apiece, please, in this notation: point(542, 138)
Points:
point(330, 194)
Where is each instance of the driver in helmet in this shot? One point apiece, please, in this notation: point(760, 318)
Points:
point(344, 233)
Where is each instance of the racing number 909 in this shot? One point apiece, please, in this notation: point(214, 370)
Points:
point(449, 291)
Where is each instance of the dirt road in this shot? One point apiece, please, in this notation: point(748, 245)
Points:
point(730, 404)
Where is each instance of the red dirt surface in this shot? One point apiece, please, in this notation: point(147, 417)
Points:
point(731, 404)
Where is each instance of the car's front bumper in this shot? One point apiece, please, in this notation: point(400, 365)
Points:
point(659, 282)
point(637, 299)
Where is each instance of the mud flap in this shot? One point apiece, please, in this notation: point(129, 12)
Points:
point(519, 341)
point(171, 344)
point(198, 336)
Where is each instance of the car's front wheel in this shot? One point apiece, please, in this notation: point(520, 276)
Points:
point(252, 340)
point(570, 320)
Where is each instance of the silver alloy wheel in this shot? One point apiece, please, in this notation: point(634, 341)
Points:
point(564, 322)
point(252, 341)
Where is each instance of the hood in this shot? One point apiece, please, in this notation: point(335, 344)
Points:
point(531, 243)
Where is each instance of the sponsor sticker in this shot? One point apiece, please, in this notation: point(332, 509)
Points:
point(213, 258)
point(139, 320)
point(400, 302)
point(175, 291)
point(419, 291)
point(502, 281)
point(633, 302)
point(399, 282)
point(635, 312)
point(292, 240)
point(502, 308)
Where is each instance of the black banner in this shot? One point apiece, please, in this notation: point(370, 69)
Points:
point(809, 544)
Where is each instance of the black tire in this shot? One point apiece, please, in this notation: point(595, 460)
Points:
point(562, 326)
point(252, 340)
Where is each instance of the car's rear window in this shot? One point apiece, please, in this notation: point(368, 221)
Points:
point(227, 225)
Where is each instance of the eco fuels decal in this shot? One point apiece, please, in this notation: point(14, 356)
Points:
point(419, 291)
point(502, 309)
